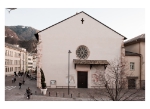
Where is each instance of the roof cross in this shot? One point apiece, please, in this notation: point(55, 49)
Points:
point(82, 20)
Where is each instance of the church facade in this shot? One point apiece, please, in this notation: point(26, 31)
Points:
point(79, 45)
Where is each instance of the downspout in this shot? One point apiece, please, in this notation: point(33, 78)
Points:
point(140, 64)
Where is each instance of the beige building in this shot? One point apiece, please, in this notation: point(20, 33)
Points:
point(30, 61)
point(15, 59)
point(34, 61)
point(135, 54)
point(92, 45)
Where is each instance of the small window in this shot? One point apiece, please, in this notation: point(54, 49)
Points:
point(131, 65)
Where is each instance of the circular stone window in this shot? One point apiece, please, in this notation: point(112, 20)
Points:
point(82, 52)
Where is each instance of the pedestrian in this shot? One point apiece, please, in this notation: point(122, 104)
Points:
point(28, 93)
point(20, 83)
point(12, 79)
point(14, 73)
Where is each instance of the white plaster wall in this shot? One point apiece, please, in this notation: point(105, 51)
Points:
point(96, 69)
point(136, 71)
point(103, 43)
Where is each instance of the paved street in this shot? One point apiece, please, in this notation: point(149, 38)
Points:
point(13, 93)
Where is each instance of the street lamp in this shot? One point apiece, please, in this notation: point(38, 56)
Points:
point(68, 68)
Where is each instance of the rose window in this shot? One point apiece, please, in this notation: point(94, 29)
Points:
point(82, 52)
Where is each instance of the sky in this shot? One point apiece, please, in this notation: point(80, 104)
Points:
point(130, 22)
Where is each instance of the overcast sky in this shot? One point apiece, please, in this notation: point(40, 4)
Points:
point(129, 22)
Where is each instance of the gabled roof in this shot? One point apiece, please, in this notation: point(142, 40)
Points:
point(140, 38)
point(128, 53)
point(36, 35)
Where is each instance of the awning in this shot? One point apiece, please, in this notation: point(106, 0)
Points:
point(103, 62)
point(90, 62)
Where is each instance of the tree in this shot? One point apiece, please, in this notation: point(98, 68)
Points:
point(43, 84)
point(114, 82)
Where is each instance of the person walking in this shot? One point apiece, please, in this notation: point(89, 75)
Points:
point(14, 79)
point(15, 74)
point(20, 83)
point(28, 93)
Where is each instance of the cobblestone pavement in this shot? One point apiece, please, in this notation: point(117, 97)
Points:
point(13, 93)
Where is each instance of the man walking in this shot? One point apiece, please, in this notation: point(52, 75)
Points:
point(28, 93)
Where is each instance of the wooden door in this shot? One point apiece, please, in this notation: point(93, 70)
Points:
point(131, 84)
point(82, 79)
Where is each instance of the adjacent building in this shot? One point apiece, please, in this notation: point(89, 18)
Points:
point(135, 54)
point(15, 59)
point(30, 62)
point(34, 61)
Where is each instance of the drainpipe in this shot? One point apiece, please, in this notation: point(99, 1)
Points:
point(140, 64)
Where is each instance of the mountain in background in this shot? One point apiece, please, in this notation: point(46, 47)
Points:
point(21, 35)
point(24, 32)
point(10, 36)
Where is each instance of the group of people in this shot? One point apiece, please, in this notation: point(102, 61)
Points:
point(19, 73)
point(28, 91)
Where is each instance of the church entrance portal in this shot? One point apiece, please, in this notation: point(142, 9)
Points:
point(82, 79)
